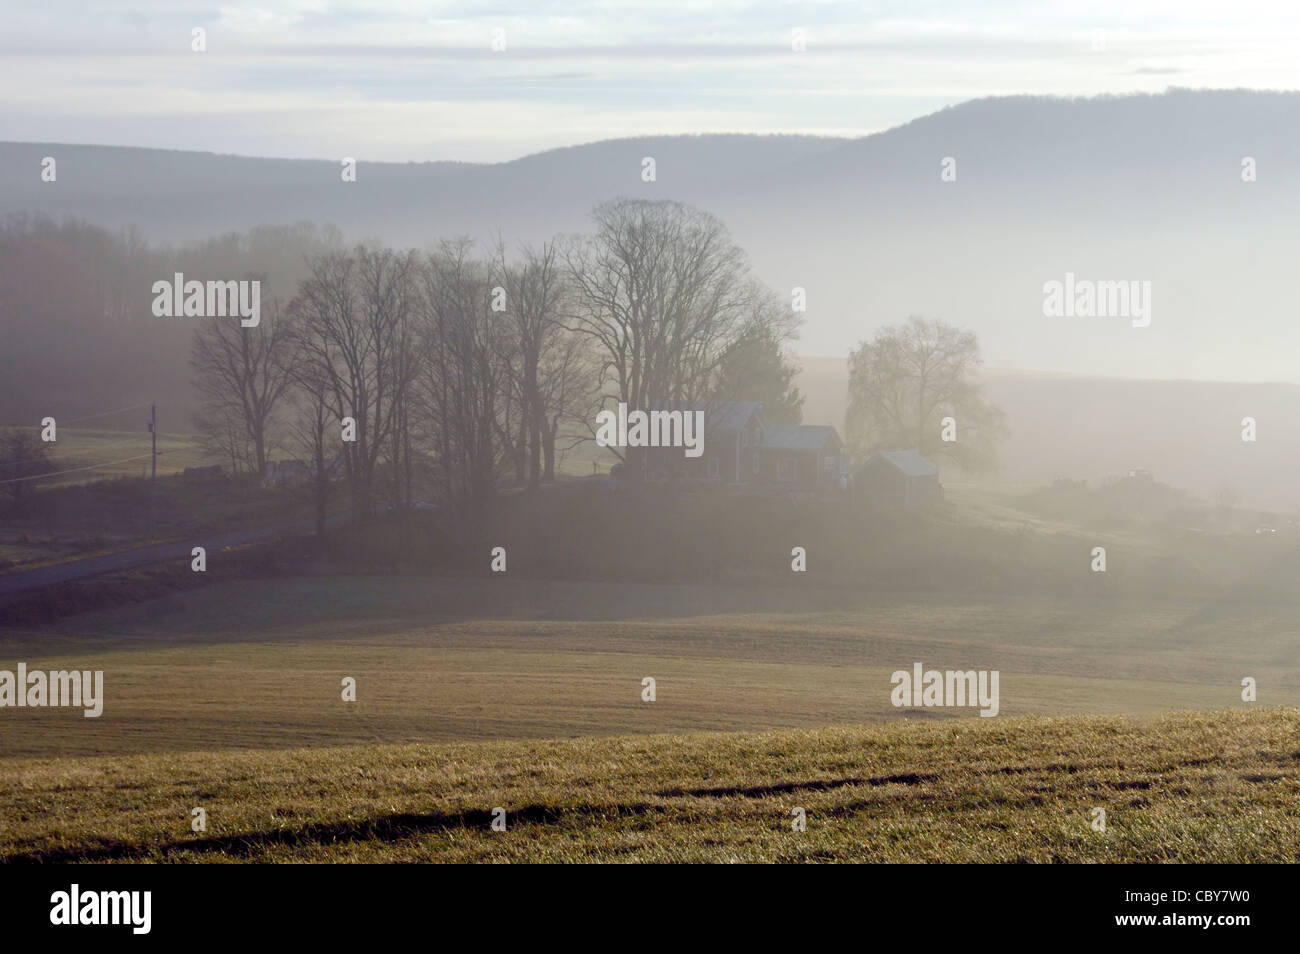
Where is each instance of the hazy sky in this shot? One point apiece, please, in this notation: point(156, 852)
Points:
point(418, 81)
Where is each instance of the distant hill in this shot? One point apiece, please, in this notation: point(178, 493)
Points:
point(177, 196)
point(1138, 187)
point(1113, 188)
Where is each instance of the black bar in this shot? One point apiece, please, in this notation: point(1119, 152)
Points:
point(915, 904)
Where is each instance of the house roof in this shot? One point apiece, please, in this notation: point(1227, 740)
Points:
point(910, 463)
point(804, 437)
point(728, 415)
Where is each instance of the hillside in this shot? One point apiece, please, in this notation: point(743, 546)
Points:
point(1185, 787)
point(257, 663)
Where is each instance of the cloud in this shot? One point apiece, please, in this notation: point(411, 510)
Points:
point(569, 64)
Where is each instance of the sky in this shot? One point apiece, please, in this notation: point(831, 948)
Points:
point(401, 81)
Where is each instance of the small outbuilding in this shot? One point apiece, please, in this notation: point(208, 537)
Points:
point(896, 479)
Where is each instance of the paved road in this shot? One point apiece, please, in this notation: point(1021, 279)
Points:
point(24, 580)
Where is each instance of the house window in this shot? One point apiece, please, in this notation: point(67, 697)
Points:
point(757, 463)
point(829, 465)
point(715, 466)
point(787, 468)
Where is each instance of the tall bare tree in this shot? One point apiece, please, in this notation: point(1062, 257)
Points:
point(464, 377)
point(663, 293)
point(908, 378)
point(309, 426)
point(353, 317)
point(569, 394)
point(241, 374)
point(536, 288)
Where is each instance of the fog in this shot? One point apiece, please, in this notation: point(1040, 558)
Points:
point(963, 215)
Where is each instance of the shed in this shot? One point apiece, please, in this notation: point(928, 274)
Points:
point(898, 478)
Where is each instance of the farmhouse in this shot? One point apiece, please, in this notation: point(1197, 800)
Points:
point(732, 433)
point(901, 478)
point(803, 458)
point(740, 448)
point(295, 472)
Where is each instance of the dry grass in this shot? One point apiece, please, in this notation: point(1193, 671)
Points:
point(1184, 787)
point(246, 664)
point(227, 697)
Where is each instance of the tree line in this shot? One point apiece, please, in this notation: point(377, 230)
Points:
point(461, 369)
point(456, 369)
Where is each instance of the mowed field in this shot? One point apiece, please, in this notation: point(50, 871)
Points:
point(479, 693)
point(1185, 787)
point(81, 453)
point(259, 663)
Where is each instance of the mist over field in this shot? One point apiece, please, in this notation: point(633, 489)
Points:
point(1094, 428)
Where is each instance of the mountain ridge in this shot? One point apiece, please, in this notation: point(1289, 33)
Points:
point(1145, 187)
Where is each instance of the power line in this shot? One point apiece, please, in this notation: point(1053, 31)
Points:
point(75, 470)
point(99, 447)
point(120, 410)
point(88, 417)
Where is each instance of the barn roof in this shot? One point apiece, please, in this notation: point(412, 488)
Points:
point(804, 437)
point(910, 463)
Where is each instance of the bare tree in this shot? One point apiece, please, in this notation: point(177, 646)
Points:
point(663, 293)
point(464, 378)
point(535, 299)
point(569, 395)
point(907, 379)
point(241, 376)
point(353, 316)
point(309, 427)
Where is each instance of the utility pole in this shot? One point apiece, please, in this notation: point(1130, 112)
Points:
point(153, 435)
point(153, 468)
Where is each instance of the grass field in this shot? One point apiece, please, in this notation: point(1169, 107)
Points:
point(83, 447)
point(107, 510)
point(80, 456)
point(258, 663)
point(1185, 787)
point(474, 693)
